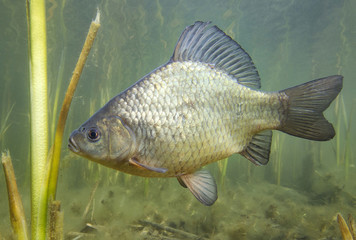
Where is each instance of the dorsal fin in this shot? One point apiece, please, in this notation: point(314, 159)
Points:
point(259, 148)
point(208, 44)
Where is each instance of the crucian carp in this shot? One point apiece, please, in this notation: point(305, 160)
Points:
point(202, 106)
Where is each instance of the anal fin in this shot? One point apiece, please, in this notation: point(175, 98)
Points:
point(259, 148)
point(134, 162)
point(202, 185)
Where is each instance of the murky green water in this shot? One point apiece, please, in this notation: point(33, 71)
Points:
point(296, 196)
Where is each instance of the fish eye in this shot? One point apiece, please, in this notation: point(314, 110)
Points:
point(93, 134)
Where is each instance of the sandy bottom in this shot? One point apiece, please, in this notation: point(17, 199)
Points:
point(161, 209)
point(137, 208)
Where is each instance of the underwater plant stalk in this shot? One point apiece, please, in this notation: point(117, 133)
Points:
point(66, 104)
point(36, 13)
point(17, 214)
point(56, 221)
point(4, 122)
point(352, 226)
point(338, 127)
point(223, 169)
point(347, 141)
point(344, 229)
point(90, 203)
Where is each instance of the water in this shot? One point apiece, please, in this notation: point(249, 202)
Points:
point(296, 196)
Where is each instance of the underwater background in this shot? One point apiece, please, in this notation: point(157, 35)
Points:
point(296, 196)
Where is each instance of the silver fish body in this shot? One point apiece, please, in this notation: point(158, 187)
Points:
point(200, 107)
point(186, 115)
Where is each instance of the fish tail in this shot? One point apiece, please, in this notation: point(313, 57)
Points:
point(303, 108)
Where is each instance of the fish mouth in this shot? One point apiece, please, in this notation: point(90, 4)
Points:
point(72, 145)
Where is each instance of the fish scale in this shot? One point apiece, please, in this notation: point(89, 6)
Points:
point(201, 106)
point(207, 117)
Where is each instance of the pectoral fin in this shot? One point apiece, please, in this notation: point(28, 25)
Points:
point(202, 185)
point(181, 182)
point(134, 162)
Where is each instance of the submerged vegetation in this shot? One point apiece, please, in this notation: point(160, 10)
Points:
point(296, 196)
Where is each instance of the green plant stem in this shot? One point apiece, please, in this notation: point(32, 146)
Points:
point(54, 166)
point(347, 141)
point(224, 163)
point(39, 119)
point(338, 127)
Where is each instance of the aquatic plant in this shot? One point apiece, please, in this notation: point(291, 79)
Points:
point(348, 231)
point(4, 126)
point(276, 152)
point(222, 165)
point(44, 168)
point(54, 167)
point(343, 150)
point(343, 155)
point(36, 14)
point(17, 215)
point(347, 151)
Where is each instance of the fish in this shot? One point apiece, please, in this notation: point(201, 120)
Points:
point(202, 106)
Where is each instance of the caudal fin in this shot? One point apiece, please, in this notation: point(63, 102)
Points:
point(303, 113)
